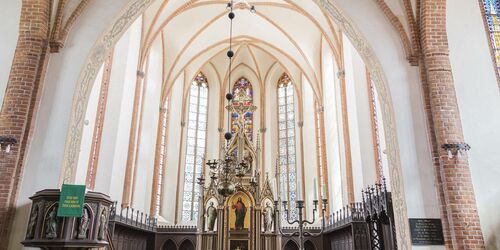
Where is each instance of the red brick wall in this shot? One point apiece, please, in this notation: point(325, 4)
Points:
point(20, 101)
point(454, 179)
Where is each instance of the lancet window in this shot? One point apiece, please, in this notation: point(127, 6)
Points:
point(243, 96)
point(319, 149)
point(162, 158)
point(195, 146)
point(492, 12)
point(286, 142)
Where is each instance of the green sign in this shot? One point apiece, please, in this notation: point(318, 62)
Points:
point(71, 201)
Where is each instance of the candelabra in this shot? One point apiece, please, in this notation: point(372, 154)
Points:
point(303, 222)
point(227, 174)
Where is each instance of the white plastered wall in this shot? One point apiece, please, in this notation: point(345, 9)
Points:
point(478, 97)
point(174, 150)
point(148, 130)
point(351, 77)
point(117, 121)
point(10, 11)
point(333, 131)
point(364, 120)
point(309, 146)
point(88, 130)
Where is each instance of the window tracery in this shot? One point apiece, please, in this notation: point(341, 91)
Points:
point(195, 145)
point(286, 142)
point(243, 96)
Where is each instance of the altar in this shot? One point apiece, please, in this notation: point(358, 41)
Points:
point(247, 218)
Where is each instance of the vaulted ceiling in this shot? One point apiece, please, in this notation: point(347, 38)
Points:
point(282, 33)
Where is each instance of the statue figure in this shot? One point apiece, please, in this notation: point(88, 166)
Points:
point(212, 216)
point(240, 211)
point(268, 218)
point(51, 224)
point(84, 225)
point(103, 225)
point(32, 223)
point(248, 158)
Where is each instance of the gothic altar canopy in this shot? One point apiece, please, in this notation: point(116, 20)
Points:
point(238, 221)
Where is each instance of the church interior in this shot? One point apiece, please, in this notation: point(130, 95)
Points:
point(249, 124)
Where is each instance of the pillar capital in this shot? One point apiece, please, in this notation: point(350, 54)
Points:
point(341, 74)
point(140, 74)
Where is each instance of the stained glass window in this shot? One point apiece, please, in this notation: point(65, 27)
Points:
point(162, 158)
point(195, 146)
point(243, 96)
point(286, 143)
point(492, 11)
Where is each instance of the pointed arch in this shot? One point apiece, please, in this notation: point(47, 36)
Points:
point(186, 245)
point(169, 245)
point(291, 245)
point(195, 145)
point(243, 96)
point(308, 245)
point(286, 142)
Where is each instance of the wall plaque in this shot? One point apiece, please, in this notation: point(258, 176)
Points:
point(426, 232)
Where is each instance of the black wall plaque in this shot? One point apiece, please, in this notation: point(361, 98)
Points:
point(426, 232)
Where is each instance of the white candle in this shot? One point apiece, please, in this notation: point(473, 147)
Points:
point(299, 192)
point(324, 192)
point(315, 190)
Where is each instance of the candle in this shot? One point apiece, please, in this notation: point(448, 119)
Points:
point(299, 192)
point(315, 190)
point(324, 192)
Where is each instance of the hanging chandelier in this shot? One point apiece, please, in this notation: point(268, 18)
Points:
point(227, 173)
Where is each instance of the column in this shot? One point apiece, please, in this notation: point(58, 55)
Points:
point(18, 109)
point(456, 183)
point(132, 147)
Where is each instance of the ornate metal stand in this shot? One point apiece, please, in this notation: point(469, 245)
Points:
point(303, 222)
point(377, 206)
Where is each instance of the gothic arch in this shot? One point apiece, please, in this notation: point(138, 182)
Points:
point(291, 245)
point(169, 245)
point(308, 245)
point(186, 245)
point(131, 12)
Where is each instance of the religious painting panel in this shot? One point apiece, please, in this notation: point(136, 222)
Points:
point(238, 245)
point(239, 212)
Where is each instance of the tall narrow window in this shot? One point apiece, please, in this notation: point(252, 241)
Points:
point(243, 96)
point(492, 12)
point(286, 133)
point(322, 173)
point(162, 158)
point(319, 147)
point(195, 146)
